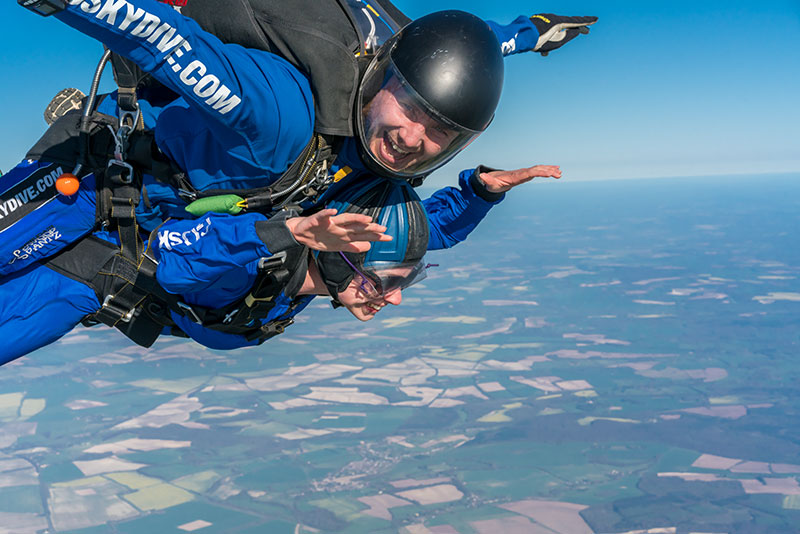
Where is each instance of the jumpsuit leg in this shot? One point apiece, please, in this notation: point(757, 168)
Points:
point(37, 307)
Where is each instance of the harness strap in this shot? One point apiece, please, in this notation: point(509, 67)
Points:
point(131, 300)
point(134, 303)
point(128, 76)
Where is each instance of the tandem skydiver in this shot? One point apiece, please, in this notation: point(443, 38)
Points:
point(211, 133)
point(228, 119)
point(232, 120)
point(226, 281)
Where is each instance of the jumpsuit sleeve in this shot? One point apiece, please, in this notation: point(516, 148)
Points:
point(519, 36)
point(195, 255)
point(251, 94)
point(453, 213)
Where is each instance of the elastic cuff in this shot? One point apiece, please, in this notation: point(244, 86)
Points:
point(480, 188)
point(275, 234)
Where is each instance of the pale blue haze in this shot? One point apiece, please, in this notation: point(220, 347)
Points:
point(657, 89)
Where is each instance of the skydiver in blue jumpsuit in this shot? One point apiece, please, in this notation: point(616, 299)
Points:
point(242, 114)
point(214, 261)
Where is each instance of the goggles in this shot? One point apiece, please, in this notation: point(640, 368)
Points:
point(382, 278)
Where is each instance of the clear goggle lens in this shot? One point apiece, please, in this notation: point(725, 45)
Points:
point(380, 279)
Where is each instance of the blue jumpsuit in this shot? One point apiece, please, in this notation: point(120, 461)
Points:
point(242, 116)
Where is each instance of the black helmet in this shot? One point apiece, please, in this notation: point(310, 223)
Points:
point(393, 204)
point(444, 74)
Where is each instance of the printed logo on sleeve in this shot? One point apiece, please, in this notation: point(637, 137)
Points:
point(28, 194)
point(168, 239)
point(137, 22)
point(50, 234)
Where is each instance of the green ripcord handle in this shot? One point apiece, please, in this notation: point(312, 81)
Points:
point(232, 204)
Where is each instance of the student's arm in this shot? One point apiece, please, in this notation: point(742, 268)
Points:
point(198, 255)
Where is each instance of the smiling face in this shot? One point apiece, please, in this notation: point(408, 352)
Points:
point(365, 296)
point(399, 134)
point(363, 306)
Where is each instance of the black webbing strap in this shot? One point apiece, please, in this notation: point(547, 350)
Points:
point(123, 288)
point(134, 303)
point(255, 305)
point(125, 295)
point(63, 143)
point(82, 260)
point(276, 274)
point(128, 76)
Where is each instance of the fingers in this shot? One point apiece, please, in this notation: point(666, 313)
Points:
point(349, 232)
point(553, 171)
point(537, 171)
point(521, 176)
point(557, 30)
point(351, 218)
point(355, 223)
point(357, 247)
point(368, 236)
point(565, 22)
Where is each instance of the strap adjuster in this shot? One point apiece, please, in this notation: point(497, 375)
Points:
point(124, 174)
point(190, 313)
point(271, 329)
point(269, 264)
point(115, 312)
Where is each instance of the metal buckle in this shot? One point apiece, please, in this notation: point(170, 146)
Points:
point(44, 8)
point(125, 178)
point(111, 307)
point(128, 121)
point(228, 318)
point(189, 196)
point(279, 326)
point(190, 312)
point(251, 301)
point(271, 263)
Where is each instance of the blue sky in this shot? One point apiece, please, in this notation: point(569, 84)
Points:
point(658, 88)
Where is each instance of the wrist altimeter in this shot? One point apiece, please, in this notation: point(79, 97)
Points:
point(44, 8)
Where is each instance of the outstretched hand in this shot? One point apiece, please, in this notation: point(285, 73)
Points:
point(326, 231)
point(557, 30)
point(502, 181)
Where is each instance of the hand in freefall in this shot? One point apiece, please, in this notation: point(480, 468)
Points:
point(555, 30)
point(502, 181)
point(326, 231)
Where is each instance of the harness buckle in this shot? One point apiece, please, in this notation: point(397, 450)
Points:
point(271, 329)
point(269, 264)
point(125, 174)
point(189, 196)
point(120, 314)
point(128, 121)
point(190, 313)
point(228, 318)
point(277, 327)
